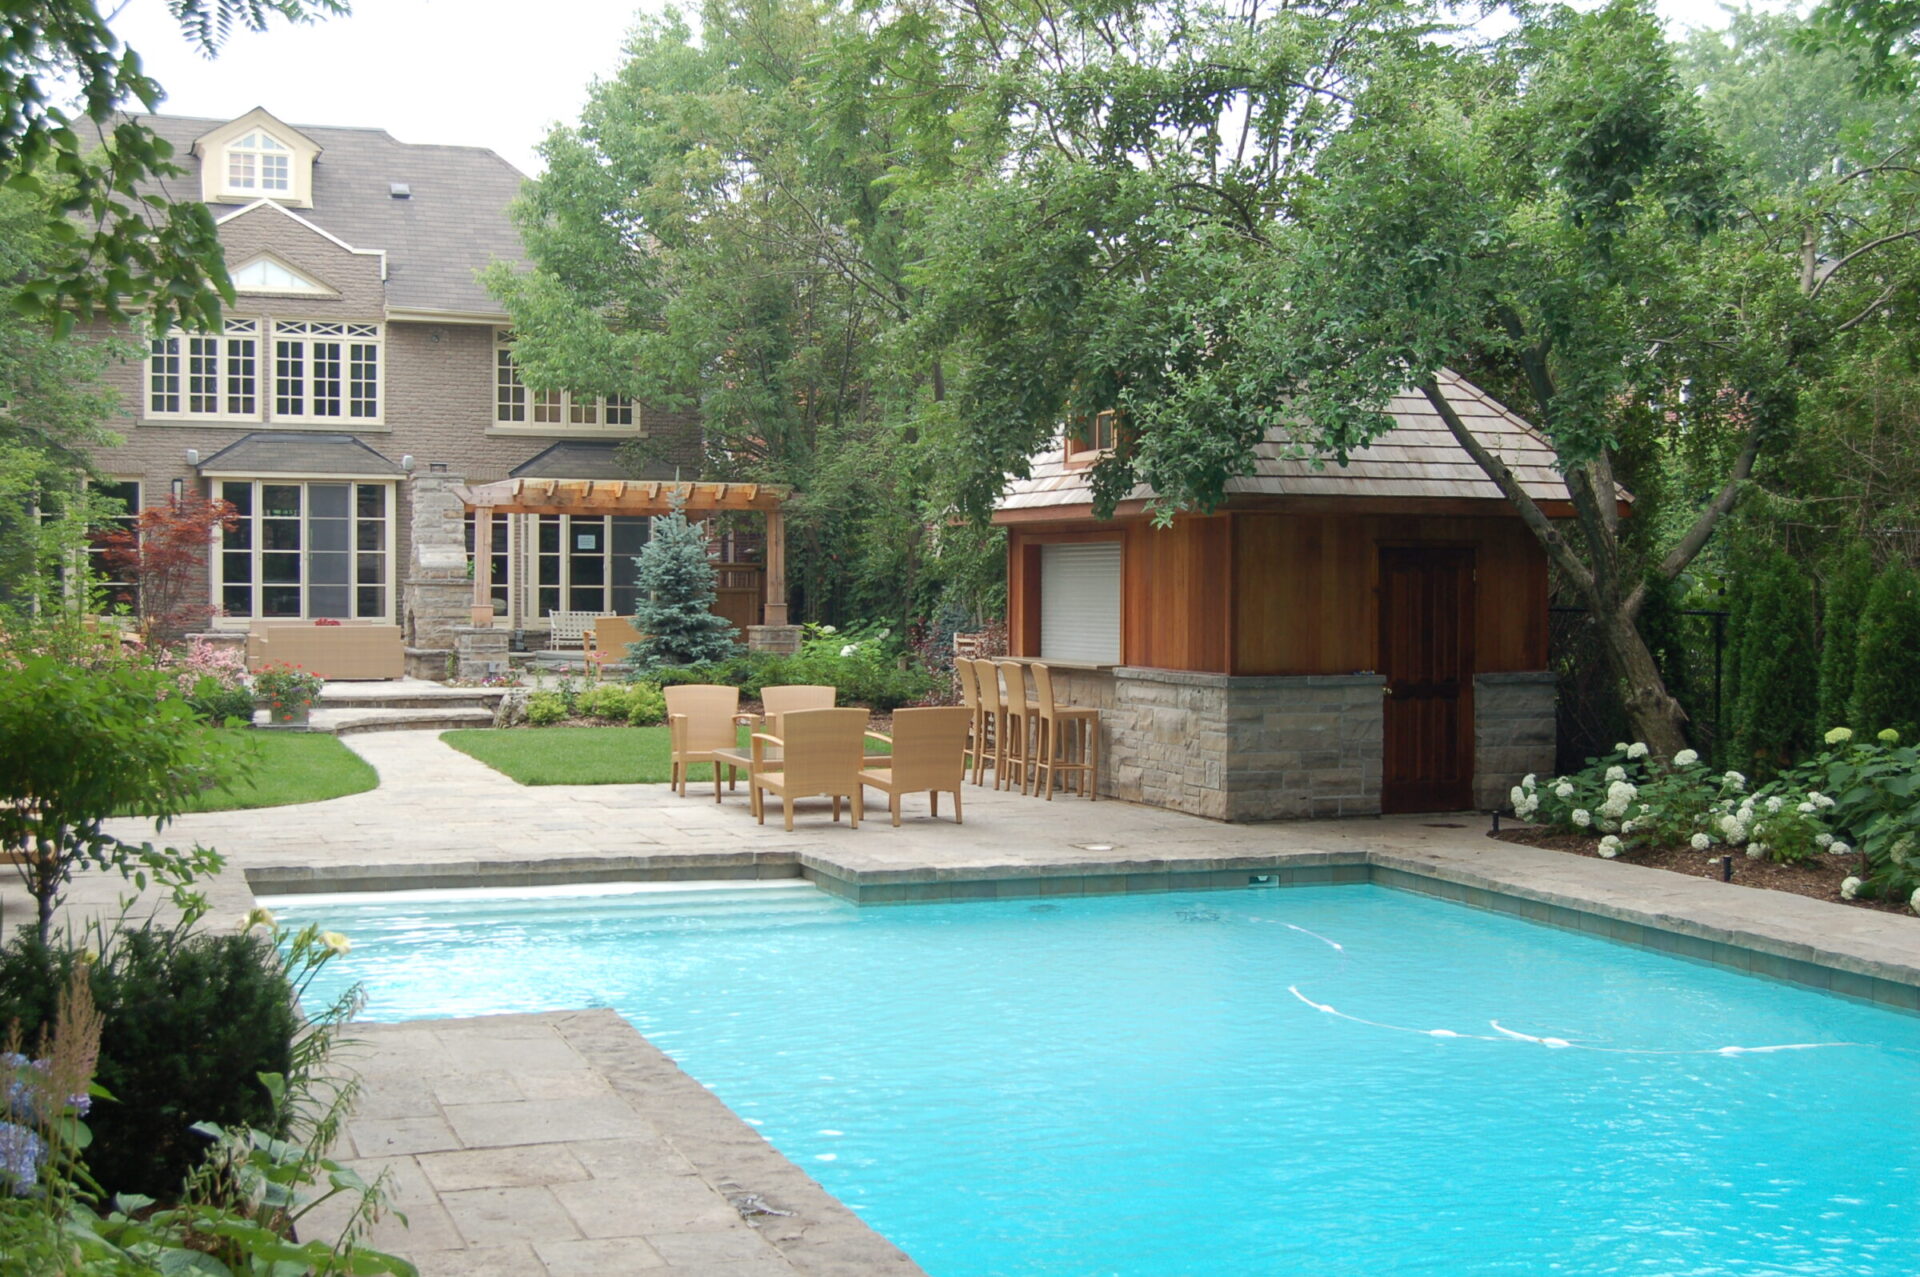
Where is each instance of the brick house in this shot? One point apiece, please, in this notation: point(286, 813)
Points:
point(363, 372)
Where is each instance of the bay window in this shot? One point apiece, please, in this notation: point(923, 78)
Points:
point(307, 549)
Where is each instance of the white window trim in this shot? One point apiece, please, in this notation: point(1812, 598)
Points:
point(565, 428)
point(216, 575)
point(257, 189)
point(287, 330)
point(232, 328)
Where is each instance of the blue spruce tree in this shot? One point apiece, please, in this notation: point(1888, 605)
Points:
point(675, 609)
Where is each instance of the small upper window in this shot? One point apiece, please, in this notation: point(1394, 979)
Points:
point(1100, 433)
point(258, 162)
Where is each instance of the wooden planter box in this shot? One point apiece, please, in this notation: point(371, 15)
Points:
point(350, 650)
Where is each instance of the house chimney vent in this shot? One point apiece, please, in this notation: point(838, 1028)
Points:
point(400, 190)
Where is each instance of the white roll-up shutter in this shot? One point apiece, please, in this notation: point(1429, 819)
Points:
point(1080, 602)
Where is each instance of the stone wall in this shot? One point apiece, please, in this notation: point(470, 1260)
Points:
point(1513, 732)
point(1235, 748)
point(439, 595)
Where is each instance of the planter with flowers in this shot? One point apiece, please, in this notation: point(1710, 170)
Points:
point(286, 692)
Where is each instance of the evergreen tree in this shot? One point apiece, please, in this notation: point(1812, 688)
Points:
point(1848, 584)
point(677, 593)
point(1779, 686)
point(1885, 692)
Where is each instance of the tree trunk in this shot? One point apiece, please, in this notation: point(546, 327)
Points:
point(1655, 716)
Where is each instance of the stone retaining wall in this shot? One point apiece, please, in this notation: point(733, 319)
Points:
point(1513, 732)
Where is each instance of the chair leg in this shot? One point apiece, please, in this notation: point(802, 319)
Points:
point(956, 808)
point(760, 809)
point(1093, 762)
point(786, 801)
point(716, 782)
point(836, 809)
point(933, 802)
point(893, 806)
point(854, 805)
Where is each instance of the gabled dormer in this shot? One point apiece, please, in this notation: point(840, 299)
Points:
point(256, 157)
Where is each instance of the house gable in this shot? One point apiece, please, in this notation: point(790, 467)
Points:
point(343, 281)
point(256, 157)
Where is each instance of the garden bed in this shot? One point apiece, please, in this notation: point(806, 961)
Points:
point(1820, 878)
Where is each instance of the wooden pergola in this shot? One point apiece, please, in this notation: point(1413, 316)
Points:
point(628, 497)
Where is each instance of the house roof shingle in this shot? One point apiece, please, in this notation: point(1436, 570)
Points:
point(587, 459)
point(298, 453)
point(1418, 458)
point(454, 222)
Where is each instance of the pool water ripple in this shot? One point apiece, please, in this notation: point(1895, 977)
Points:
point(1131, 1085)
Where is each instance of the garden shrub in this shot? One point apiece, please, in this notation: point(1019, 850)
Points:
point(1774, 714)
point(646, 705)
point(1849, 581)
point(546, 708)
point(1885, 691)
point(864, 664)
point(608, 700)
point(191, 1020)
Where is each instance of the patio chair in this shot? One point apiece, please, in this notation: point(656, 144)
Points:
point(929, 753)
point(976, 717)
point(700, 721)
point(822, 759)
point(784, 699)
point(1067, 738)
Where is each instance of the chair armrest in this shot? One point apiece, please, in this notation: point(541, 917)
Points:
point(759, 742)
point(880, 736)
point(676, 730)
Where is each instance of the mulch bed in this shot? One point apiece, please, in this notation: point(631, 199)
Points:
point(1817, 878)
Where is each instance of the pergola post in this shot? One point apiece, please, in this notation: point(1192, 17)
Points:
point(483, 567)
point(776, 607)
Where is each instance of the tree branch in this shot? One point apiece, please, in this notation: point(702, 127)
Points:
point(1495, 469)
point(1696, 538)
point(1867, 247)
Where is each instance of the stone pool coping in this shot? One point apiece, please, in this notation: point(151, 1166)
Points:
point(1852, 952)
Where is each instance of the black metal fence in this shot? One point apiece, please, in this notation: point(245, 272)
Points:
point(1591, 718)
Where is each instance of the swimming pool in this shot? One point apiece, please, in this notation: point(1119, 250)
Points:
point(1316, 1080)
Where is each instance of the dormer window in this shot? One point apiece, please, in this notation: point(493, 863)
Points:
point(257, 162)
point(256, 157)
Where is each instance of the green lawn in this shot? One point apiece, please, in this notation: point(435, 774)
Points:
point(290, 767)
point(582, 755)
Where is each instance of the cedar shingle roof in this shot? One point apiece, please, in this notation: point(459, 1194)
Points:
point(1416, 459)
point(454, 223)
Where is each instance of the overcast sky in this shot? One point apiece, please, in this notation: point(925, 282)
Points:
point(492, 73)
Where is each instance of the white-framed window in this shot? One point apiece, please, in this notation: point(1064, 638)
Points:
point(307, 548)
point(206, 375)
point(259, 162)
point(552, 411)
point(585, 563)
point(1080, 602)
point(326, 372)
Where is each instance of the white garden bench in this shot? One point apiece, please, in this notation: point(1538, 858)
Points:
point(570, 627)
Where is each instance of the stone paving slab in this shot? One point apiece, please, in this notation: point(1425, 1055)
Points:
point(653, 1175)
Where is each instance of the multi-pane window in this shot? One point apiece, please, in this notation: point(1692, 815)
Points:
point(119, 593)
point(1101, 433)
point(326, 371)
point(501, 557)
point(206, 374)
point(515, 404)
point(259, 162)
point(307, 550)
point(586, 563)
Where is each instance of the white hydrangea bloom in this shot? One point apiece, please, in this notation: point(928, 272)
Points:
point(1701, 842)
point(1840, 849)
point(1686, 758)
point(1626, 826)
point(1823, 840)
point(1734, 828)
point(1582, 817)
point(1518, 797)
point(1755, 850)
point(1849, 888)
point(1619, 747)
point(1839, 736)
point(1805, 809)
point(849, 649)
point(1637, 750)
point(1913, 903)
point(1527, 781)
point(1775, 803)
point(1616, 773)
point(1563, 791)
point(1734, 781)
point(1610, 846)
point(1820, 800)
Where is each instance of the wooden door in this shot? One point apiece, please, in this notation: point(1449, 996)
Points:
point(1426, 654)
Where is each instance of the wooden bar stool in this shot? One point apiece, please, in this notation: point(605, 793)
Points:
point(1021, 721)
point(1067, 739)
point(976, 754)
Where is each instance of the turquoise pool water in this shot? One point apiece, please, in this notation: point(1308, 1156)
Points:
point(1330, 1080)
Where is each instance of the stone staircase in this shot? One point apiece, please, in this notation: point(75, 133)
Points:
point(402, 704)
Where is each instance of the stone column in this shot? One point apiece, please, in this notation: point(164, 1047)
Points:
point(437, 588)
point(1513, 732)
